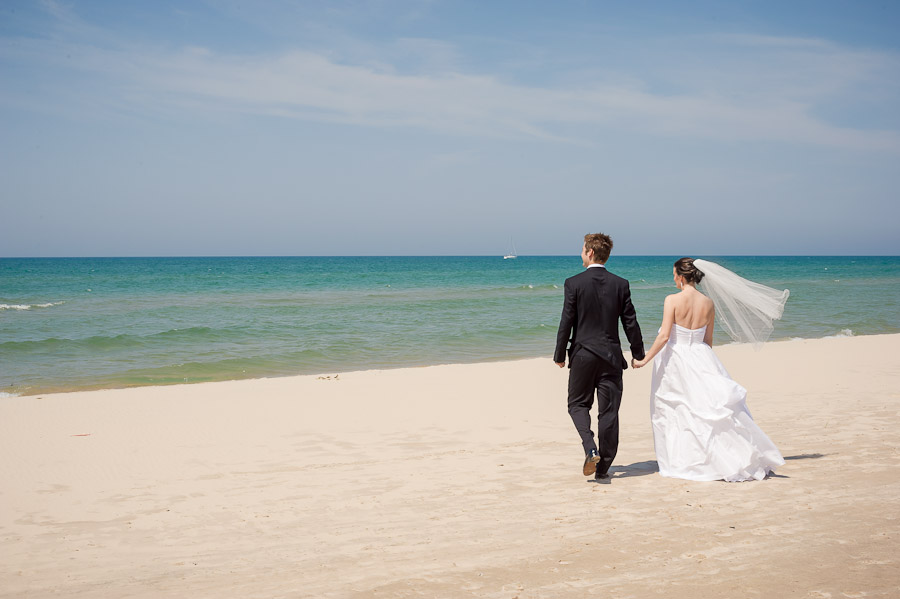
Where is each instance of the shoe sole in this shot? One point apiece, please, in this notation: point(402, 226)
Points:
point(590, 466)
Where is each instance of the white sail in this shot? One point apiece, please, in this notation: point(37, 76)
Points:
point(511, 251)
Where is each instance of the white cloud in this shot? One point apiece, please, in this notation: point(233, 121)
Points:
point(310, 86)
point(770, 93)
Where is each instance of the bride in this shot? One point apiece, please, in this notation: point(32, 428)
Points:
point(702, 428)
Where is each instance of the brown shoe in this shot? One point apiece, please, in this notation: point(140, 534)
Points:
point(590, 462)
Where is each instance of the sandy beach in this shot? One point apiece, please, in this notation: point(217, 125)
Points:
point(449, 481)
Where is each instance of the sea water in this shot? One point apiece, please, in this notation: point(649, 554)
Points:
point(80, 323)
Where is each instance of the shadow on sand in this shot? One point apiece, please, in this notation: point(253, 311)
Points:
point(651, 466)
point(802, 456)
point(805, 456)
point(636, 469)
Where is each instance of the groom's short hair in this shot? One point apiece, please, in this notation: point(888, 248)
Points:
point(601, 244)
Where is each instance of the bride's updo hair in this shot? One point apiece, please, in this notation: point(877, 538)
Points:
point(685, 268)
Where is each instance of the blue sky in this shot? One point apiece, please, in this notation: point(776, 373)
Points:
point(445, 127)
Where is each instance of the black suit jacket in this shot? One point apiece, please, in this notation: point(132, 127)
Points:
point(595, 301)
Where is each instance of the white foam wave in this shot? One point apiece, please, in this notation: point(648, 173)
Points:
point(843, 333)
point(28, 306)
point(4, 395)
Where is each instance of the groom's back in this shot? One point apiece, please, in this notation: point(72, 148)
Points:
point(599, 297)
point(596, 301)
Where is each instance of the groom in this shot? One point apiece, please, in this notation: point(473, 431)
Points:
point(595, 300)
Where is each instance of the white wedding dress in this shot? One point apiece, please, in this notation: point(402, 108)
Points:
point(702, 428)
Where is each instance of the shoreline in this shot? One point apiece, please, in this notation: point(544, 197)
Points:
point(61, 389)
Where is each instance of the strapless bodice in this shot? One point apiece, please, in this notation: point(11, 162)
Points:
point(680, 335)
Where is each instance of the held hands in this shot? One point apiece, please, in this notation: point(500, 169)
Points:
point(634, 363)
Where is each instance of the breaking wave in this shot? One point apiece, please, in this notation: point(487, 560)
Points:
point(28, 306)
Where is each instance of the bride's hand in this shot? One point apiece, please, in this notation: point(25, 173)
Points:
point(637, 363)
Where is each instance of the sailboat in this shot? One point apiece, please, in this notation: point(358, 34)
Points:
point(511, 251)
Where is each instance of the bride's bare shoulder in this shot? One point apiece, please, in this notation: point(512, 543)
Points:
point(673, 297)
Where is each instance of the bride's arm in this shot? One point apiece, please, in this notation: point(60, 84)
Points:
point(710, 326)
point(664, 330)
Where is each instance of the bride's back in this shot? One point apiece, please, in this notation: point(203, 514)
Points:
point(693, 309)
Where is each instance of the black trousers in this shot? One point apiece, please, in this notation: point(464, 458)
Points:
point(589, 374)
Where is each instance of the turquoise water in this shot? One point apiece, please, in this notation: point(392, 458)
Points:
point(76, 323)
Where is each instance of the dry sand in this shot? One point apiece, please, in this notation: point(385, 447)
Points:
point(448, 481)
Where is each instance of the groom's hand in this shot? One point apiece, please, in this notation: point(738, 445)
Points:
point(561, 364)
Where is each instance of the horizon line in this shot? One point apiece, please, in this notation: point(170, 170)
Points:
point(612, 257)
